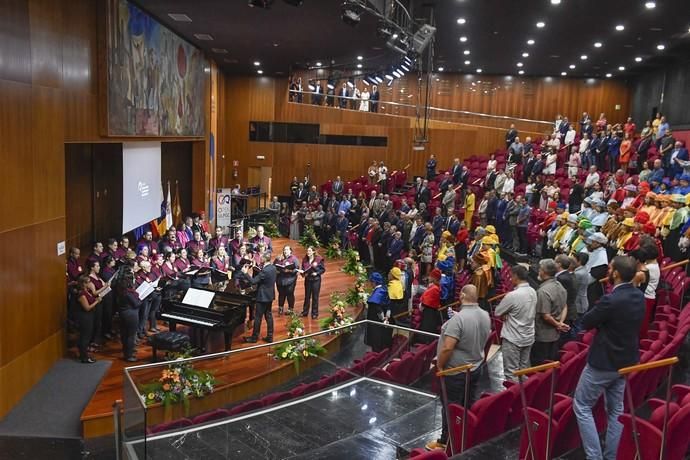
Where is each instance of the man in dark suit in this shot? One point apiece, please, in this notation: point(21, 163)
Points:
point(337, 187)
point(423, 194)
point(678, 153)
point(511, 135)
point(343, 95)
point(446, 183)
point(395, 247)
point(456, 171)
point(567, 280)
point(431, 167)
point(419, 231)
point(301, 194)
point(464, 177)
point(265, 281)
point(317, 96)
point(374, 99)
point(617, 318)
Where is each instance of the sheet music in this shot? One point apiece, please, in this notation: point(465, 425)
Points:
point(105, 291)
point(198, 297)
point(191, 272)
point(145, 289)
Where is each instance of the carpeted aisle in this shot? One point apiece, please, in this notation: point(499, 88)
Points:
point(54, 405)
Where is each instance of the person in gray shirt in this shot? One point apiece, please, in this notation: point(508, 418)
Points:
point(581, 282)
point(551, 311)
point(518, 310)
point(462, 342)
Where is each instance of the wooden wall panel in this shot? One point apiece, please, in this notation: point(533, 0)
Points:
point(176, 165)
point(15, 46)
point(46, 43)
point(79, 195)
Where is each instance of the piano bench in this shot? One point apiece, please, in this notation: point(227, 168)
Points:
point(167, 341)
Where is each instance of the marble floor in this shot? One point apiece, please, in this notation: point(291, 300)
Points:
point(363, 419)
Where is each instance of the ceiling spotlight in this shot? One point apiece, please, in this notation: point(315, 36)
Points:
point(359, 66)
point(621, 68)
point(638, 59)
point(650, 5)
point(660, 47)
point(541, 24)
point(467, 62)
point(583, 57)
point(359, 58)
point(598, 44)
point(530, 42)
point(620, 27)
point(366, 83)
point(440, 69)
point(479, 70)
point(525, 54)
point(563, 74)
point(378, 79)
point(404, 67)
point(521, 72)
point(351, 83)
point(330, 84)
point(463, 39)
point(555, 2)
point(519, 64)
point(608, 75)
point(461, 21)
point(394, 36)
point(260, 72)
point(572, 66)
point(257, 63)
point(389, 76)
point(318, 64)
point(397, 74)
point(351, 14)
point(466, 52)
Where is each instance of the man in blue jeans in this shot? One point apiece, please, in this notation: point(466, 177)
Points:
point(617, 318)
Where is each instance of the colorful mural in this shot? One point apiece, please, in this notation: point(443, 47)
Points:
point(156, 80)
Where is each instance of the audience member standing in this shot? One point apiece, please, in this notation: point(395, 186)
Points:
point(551, 300)
point(617, 318)
point(518, 311)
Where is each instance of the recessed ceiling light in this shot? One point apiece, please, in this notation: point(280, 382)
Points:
point(572, 66)
point(530, 42)
point(479, 70)
point(440, 69)
point(541, 24)
point(650, 5)
point(521, 72)
point(260, 71)
point(180, 17)
point(608, 75)
point(621, 68)
point(519, 64)
point(598, 44)
point(467, 62)
point(257, 63)
point(318, 64)
point(563, 74)
point(461, 21)
point(359, 66)
point(638, 59)
point(204, 37)
point(394, 36)
point(525, 54)
point(463, 39)
point(359, 58)
point(583, 57)
point(555, 2)
point(620, 27)
point(660, 46)
point(466, 52)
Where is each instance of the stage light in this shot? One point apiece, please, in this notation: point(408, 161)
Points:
point(351, 83)
point(608, 75)
point(359, 66)
point(563, 74)
point(378, 79)
point(519, 64)
point(404, 67)
point(257, 63)
point(359, 58)
point(366, 83)
point(621, 68)
point(440, 69)
point(598, 44)
point(463, 39)
point(521, 72)
point(318, 64)
point(351, 14)
point(620, 27)
point(541, 24)
point(461, 21)
point(479, 70)
point(650, 5)
point(266, 4)
point(408, 60)
point(260, 72)
point(555, 2)
point(467, 62)
point(661, 47)
point(397, 74)
point(466, 52)
point(401, 72)
point(583, 57)
point(572, 66)
point(638, 59)
point(530, 42)
point(389, 76)
point(525, 55)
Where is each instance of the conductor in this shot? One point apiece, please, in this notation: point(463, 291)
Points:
point(265, 281)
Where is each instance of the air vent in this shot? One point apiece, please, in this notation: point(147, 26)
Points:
point(179, 17)
point(205, 37)
point(219, 50)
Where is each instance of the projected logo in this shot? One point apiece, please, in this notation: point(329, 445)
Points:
point(143, 189)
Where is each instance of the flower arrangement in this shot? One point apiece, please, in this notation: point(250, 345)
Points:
point(333, 250)
point(338, 316)
point(251, 232)
point(297, 350)
point(352, 266)
point(178, 382)
point(359, 292)
point(271, 229)
point(309, 237)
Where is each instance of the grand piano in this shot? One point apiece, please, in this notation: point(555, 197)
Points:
point(207, 310)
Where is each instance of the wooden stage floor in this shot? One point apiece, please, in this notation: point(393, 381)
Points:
point(97, 416)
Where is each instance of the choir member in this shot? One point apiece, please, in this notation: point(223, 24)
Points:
point(262, 238)
point(108, 271)
point(169, 242)
point(97, 287)
point(219, 240)
point(200, 261)
point(221, 262)
point(128, 304)
point(124, 248)
point(241, 257)
point(182, 262)
point(287, 265)
point(87, 303)
point(312, 269)
point(74, 268)
point(97, 254)
point(147, 241)
point(113, 250)
point(143, 254)
point(197, 243)
point(171, 272)
point(151, 304)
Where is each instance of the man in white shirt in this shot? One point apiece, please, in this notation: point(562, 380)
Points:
point(518, 309)
point(570, 136)
point(509, 184)
point(592, 177)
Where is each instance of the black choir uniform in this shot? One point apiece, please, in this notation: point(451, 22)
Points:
point(265, 282)
point(286, 281)
point(312, 272)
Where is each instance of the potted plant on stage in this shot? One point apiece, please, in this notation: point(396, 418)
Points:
point(297, 350)
point(309, 237)
point(339, 316)
point(334, 249)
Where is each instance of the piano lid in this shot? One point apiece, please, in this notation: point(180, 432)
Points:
point(198, 297)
